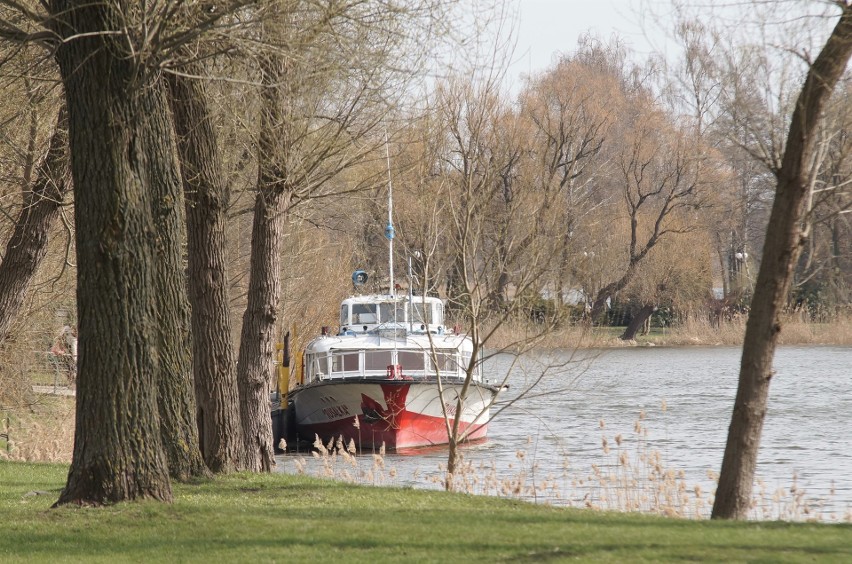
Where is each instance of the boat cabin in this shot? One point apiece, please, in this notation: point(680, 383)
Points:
point(383, 336)
point(417, 314)
point(346, 357)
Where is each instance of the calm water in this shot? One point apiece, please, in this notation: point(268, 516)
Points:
point(684, 397)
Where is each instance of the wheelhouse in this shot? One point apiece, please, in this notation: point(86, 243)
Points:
point(417, 314)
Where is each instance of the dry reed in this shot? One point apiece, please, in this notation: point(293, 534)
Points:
point(629, 476)
point(42, 432)
point(693, 329)
point(40, 427)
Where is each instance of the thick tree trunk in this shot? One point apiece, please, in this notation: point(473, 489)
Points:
point(214, 365)
point(28, 245)
point(114, 114)
point(611, 290)
point(176, 398)
point(257, 338)
point(638, 322)
point(783, 245)
point(254, 367)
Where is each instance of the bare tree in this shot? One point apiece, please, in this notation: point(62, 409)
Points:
point(571, 118)
point(482, 223)
point(661, 177)
point(823, 276)
point(207, 195)
point(321, 113)
point(27, 247)
point(784, 242)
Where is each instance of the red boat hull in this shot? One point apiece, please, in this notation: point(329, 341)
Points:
point(396, 414)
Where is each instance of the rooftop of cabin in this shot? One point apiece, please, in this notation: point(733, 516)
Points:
point(386, 298)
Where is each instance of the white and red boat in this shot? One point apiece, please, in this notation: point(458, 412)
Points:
point(392, 376)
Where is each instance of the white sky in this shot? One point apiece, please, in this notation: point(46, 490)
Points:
point(545, 28)
point(548, 27)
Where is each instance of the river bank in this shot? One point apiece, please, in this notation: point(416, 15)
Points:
point(278, 517)
point(693, 332)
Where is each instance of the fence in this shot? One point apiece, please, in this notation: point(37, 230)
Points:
point(4, 436)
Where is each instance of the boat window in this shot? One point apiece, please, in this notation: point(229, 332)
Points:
point(439, 313)
point(364, 313)
point(345, 362)
point(319, 365)
point(344, 315)
point(421, 314)
point(465, 362)
point(410, 360)
point(377, 360)
point(309, 367)
point(391, 311)
point(447, 362)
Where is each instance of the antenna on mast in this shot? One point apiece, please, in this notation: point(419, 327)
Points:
point(389, 229)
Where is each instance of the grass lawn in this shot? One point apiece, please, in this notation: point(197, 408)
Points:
point(284, 518)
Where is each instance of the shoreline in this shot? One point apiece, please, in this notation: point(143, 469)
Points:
point(794, 332)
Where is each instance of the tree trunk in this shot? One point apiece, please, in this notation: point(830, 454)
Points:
point(28, 245)
point(114, 113)
point(254, 364)
point(176, 397)
point(258, 332)
point(784, 241)
point(609, 291)
point(206, 194)
point(638, 322)
point(453, 459)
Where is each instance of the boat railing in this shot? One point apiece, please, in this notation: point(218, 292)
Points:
point(402, 374)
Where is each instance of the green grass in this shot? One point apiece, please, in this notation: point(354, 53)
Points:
point(284, 518)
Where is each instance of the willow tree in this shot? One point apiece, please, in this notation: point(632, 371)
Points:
point(571, 108)
point(207, 199)
point(785, 238)
point(120, 135)
point(660, 174)
point(331, 74)
point(481, 224)
point(42, 201)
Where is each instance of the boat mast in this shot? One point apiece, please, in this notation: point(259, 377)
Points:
point(410, 297)
point(389, 229)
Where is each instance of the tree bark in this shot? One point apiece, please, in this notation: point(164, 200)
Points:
point(214, 365)
point(638, 322)
point(28, 245)
point(611, 290)
point(784, 241)
point(114, 113)
point(175, 398)
point(258, 331)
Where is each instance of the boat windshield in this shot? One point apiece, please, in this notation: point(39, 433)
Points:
point(422, 313)
point(390, 312)
point(364, 313)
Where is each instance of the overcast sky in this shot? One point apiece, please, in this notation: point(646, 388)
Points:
point(547, 27)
